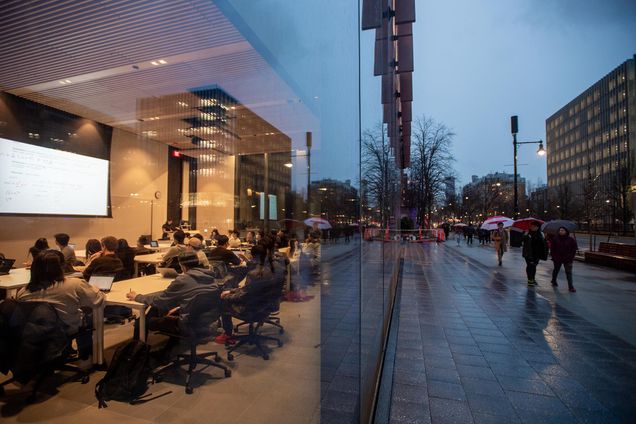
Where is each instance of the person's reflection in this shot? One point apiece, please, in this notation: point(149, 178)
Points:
point(539, 310)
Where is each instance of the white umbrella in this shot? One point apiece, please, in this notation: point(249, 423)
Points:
point(323, 224)
point(493, 222)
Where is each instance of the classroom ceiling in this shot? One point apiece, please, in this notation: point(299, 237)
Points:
point(128, 63)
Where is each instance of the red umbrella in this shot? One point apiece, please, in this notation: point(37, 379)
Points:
point(524, 223)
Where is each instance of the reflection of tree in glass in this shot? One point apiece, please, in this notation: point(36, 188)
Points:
point(380, 177)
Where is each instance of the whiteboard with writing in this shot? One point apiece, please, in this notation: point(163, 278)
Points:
point(39, 180)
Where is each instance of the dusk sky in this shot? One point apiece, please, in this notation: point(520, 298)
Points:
point(479, 62)
point(476, 64)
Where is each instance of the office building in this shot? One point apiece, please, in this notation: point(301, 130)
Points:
point(492, 194)
point(592, 140)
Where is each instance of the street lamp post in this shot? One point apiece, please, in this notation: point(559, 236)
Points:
point(514, 129)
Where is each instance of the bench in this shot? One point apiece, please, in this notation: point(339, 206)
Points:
point(617, 255)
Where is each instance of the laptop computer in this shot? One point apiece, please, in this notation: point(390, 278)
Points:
point(102, 282)
point(5, 266)
point(154, 243)
point(168, 272)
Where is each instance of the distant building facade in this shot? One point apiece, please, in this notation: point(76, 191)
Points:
point(492, 194)
point(592, 139)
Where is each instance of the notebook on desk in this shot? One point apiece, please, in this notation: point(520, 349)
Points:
point(102, 282)
point(5, 266)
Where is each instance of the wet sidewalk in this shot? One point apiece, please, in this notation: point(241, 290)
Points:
point(476, 345)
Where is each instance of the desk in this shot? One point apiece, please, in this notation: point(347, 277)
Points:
point(15, 280)
point(152, 258)
point(117, 296)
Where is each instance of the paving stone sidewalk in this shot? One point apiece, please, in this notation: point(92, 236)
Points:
point(476, 345)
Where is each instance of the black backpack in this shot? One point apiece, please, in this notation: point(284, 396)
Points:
point(127, 377)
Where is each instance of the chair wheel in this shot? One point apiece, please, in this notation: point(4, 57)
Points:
point(280, 344)
point(230, 357)
point(266, 357)
point(189, 390)
point(85, 379)
point(228, 373)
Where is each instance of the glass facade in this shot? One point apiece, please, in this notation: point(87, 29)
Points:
point(226, 115)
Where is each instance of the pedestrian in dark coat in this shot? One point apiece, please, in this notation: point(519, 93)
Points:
point(534, 250)
point(563, 249)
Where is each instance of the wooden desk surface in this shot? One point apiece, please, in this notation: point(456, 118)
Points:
point(17, 278)
point(143, 285)
point(152, 258)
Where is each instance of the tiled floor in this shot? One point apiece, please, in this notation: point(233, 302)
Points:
point(476, 345)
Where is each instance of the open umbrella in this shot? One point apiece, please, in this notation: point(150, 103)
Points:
point(492, 222)
point(523, 224)
point(323, 224)
point(460, 224)
point(552, 227)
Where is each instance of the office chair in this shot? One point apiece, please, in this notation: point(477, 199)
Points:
point(259, 305)
point(35, 344)
point(195, 330)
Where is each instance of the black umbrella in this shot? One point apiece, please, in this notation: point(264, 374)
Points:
point(552, 227)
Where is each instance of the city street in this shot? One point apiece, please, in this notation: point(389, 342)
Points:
point(475, 344)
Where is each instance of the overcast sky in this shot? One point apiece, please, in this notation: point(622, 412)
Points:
point(479, 62)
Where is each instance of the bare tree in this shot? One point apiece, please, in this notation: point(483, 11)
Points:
point(591, 200)
point(618, 192)
point(431, 163)
point(380, 179)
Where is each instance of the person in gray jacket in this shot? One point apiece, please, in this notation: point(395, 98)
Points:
point(169, 305)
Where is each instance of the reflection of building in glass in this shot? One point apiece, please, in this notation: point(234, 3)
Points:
point(336, 201)
point(250, 189)
point(594, 135)
point(217, 139)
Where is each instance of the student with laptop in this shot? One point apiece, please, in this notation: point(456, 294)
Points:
point(168, 305)
point(66, 294)
point(106, 261)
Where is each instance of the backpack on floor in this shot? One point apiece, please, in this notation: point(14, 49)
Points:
point(127, 377)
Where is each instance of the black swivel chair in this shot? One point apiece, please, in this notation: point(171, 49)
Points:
point(35, 344)
point(195, 329)
point(259, 304)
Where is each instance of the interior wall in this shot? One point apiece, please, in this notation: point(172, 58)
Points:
point(138, 169)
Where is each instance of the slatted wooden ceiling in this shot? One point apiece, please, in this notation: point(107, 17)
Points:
point(93, 58)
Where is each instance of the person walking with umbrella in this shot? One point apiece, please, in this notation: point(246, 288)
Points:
point(534, 250)
point(500, 236)
point(563, 251)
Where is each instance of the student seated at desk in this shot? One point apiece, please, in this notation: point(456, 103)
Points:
point(234, 241)
point(243, 297)
point(106, 262)
point(177, 248)
point(66, 294)
point(250, 238)
point(127, 256)
point(167, 306)
point(93, 246)
point(38, 247)
point(195, 245)
point(61, 240)
point(141, 249)
point(221, 253)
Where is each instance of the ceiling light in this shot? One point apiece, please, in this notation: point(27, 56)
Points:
point(163, 62)
point(154, 63)
point(289, 164)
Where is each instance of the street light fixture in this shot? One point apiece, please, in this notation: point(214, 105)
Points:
point(514, 129)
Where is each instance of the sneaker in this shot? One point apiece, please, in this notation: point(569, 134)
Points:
point(225, 339)
point(532, 283)
point(572, 290)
